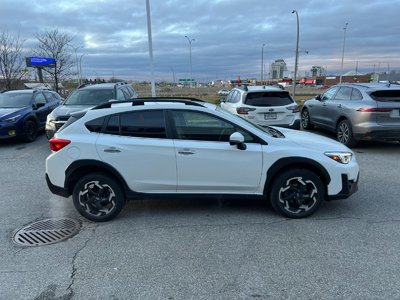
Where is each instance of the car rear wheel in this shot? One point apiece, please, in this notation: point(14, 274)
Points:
point(344, 134)
point(305, 119)
point(98, 197)
point(297, 193)
point(30, 131)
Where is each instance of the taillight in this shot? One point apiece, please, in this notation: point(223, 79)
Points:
point(294, 108)
point(244, 110)
point(373, 109)
point(58, 144)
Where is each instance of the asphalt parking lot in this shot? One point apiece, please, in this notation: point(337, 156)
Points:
point(191, 249)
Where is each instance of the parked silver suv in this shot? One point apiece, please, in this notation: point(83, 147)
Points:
point(367, 111)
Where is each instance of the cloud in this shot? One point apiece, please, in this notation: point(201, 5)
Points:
point(228, 34)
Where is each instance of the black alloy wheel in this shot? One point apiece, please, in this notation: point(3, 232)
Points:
point(98, 197)
point(297, 193)
point(30, 131)
point(305, 119)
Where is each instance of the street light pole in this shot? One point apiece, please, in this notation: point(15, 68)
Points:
point(76, 61)
point(190, 57)
point(297, 55)
point(344, 42)
point(150, 41)
point(262, 63)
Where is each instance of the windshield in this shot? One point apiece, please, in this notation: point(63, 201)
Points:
point(89, 97)
point(14, 100)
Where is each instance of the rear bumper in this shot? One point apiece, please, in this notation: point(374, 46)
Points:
point(349, 187)
point(386, 134)
point(56, 189)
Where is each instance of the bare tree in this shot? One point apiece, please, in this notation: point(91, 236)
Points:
point(54, 44)
point(11, 60)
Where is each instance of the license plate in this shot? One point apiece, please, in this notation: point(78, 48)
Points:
point(270, 116)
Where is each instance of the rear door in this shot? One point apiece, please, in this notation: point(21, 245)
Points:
point(388, 104)
point(136, 144)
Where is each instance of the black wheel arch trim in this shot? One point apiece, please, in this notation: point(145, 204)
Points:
point(90, 166)
point(295, 162)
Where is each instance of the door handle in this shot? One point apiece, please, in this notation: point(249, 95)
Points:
point(112, 150)
point(339, 106)
point(185, 152)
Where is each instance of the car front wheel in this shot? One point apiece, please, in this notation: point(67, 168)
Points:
point(297, 193)
point(30, 131)
point(98, 197)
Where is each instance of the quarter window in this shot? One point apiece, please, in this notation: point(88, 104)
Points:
point(356, 95)
point(40, 99)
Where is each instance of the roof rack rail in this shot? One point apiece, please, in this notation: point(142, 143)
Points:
point(141, 101)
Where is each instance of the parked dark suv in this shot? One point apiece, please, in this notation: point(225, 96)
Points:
point(85, 97)
point(23, 112)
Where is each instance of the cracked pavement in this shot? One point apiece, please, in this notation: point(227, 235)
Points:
point(193, 249)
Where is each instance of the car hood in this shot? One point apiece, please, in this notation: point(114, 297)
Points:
point(66, 110)
point(4, 112)
point(313, 141)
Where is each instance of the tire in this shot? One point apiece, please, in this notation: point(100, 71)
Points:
point(305, 120)
point(297, 193)
point(30, 131)
point(344, 134)
point(98, 197)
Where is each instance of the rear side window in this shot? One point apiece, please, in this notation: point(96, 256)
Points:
point(150, 124)
point(268, 99)
point(386, 96)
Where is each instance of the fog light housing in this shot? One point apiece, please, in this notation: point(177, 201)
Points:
point(12, 133)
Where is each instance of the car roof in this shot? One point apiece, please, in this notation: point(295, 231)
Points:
point(374, 86)
point(99, 86)
point(20, 91)
point(261, 88)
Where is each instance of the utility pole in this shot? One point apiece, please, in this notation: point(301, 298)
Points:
point(344, 43)
point(262, 64)
point(297, 55)
point(150, 41)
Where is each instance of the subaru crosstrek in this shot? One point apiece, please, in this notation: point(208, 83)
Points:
point(23, 112)
point(151, 147)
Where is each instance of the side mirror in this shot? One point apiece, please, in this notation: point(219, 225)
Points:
point(222, 99)
point(318, 97)
point(237, 139)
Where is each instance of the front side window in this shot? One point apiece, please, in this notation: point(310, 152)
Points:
point(329, 94)
point(193, 125)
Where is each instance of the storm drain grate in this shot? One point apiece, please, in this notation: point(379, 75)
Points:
point(46, 232)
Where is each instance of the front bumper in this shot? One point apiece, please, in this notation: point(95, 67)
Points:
point(349, 187)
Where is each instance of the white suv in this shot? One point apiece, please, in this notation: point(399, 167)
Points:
point(264, 106)
point(158, 146)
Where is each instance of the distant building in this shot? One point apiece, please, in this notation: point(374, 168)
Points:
point(277, 69)
point(317, 71)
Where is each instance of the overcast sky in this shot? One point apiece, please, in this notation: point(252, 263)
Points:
point(228, 34)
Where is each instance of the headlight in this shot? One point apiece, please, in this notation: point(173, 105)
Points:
point(341, 157)
point(12, 119)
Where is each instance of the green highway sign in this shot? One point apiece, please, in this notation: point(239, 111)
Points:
point(186, 79)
